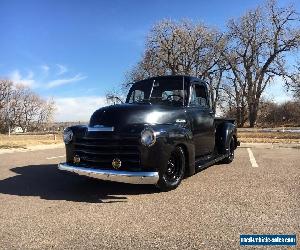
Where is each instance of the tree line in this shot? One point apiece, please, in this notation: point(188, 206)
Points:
point(21, 107)
point(283, 114)
point(238, 64)
point(273, 114)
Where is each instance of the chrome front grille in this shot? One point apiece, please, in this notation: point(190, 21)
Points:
point(98, 149)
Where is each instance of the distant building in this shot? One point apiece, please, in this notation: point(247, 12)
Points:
point(17, 130)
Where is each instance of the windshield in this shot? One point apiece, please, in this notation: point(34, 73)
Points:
point(160, 91)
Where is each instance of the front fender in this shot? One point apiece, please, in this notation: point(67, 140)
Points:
point(168, 138)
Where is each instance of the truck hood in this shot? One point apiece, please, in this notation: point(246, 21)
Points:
point(122, 115)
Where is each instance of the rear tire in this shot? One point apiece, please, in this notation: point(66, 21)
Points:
point(230, 156)
point(174, 173)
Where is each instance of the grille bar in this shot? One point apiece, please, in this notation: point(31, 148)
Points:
point(102, 145)
point(114, 152)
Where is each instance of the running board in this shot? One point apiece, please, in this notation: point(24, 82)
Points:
point(201, 164)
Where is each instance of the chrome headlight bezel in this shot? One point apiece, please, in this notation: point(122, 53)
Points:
point(68, 135)
point(148, 137)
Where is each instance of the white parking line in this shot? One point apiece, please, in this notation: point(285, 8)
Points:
point(252, 159)
point(54, 157)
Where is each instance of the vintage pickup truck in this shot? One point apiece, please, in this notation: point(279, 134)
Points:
point(165, 131)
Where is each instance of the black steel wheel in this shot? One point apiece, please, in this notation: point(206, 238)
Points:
point(230, 156)
point(174, 173)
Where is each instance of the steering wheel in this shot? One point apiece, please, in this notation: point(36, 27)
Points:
point(169, 97)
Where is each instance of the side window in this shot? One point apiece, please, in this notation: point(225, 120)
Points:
point(198, 96)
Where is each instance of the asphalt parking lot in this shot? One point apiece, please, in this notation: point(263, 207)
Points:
point(41, 207)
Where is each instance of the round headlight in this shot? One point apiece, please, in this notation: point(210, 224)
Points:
point(68, 135)
point(148, 137)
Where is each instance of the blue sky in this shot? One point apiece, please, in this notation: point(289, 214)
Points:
point(74, 51)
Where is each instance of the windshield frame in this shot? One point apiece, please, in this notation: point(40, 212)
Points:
point(148, 85)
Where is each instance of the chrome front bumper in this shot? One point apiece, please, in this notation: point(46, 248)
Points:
point(113, 175)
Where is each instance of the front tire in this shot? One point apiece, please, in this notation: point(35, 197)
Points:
point(174, 173)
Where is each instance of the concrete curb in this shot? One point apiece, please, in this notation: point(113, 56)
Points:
point(31, 148)
point(270, 145)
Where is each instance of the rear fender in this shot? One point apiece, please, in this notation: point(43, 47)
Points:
point(224, 133)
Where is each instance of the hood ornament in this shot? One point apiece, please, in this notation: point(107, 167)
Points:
point(116, 163)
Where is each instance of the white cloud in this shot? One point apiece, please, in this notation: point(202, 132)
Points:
point(27, 81)
point(45, 68)
point(33, 80)
point(63, 81)
point(61, 69)
point(78, 108)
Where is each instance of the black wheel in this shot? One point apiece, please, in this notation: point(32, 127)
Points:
point(174, 173)
point(230, 156)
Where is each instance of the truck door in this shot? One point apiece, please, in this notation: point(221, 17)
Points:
point(202, 120)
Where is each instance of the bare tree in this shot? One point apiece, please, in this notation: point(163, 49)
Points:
point(216, 83)
point(20, 106)
point(44, 115)
point(234, 100)
point(183, 48)
point(291, 78)
point(5, 89)
point(258, 41)
point(5, 92)
point(113, 99)
point(30, 110)
point(117, 96)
